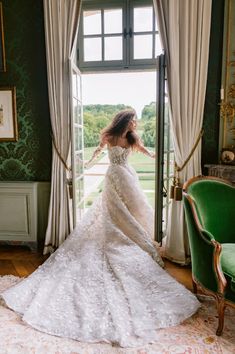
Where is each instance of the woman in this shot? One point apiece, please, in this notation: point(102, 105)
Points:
point(106, 281)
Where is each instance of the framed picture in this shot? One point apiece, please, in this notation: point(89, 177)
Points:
point(8, 122)
point(2, 45)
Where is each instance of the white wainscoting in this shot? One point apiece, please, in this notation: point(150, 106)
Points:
point(24, 211)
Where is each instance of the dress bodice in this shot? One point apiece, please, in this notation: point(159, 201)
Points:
point(118, 155)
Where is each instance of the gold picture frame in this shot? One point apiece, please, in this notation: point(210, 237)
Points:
point(2, 43)
point(8, 119)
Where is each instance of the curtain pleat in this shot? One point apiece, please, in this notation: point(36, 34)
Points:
point(61, 18)
point(184, 27)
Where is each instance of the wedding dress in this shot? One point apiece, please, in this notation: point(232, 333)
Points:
point(106, 281)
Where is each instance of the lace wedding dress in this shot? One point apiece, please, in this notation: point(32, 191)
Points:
point(106, 282)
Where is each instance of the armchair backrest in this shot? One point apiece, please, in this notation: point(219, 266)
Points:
point(214, 201)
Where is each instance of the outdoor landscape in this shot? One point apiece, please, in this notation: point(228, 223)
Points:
point(96, 117)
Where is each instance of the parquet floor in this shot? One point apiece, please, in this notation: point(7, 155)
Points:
point(20, 261)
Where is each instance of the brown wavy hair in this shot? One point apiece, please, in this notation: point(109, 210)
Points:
point(118, 127)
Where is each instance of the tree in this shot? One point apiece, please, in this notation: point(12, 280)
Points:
point(149, 134)
point(96, 118)
point(149, 111)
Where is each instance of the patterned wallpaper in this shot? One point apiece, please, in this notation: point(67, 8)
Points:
point(210, 141)
point(29, 158)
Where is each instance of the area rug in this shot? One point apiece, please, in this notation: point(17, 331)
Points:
point(195, 336)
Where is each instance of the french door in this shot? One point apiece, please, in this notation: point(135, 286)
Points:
point(77, 153)
point(164, 153)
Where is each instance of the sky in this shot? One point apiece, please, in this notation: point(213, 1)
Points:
point(135, 89)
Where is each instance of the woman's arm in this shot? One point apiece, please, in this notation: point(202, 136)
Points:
point(140, 147)
point(96, 153)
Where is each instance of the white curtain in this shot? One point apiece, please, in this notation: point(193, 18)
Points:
point(184, 27)
point(61, 18)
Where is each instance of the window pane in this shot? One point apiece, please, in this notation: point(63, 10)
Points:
point(143, 19)
point(158, 46)
point(77, 111)
point(79, 190)
point(92, 49)
point(78, 164)
point(164, 219)
point(79, 86)
point(172, 163)
point(165, 165)
point(78, 138)
point(166, 138)
point(113, 21)
point(143, 46)
point(74, 84)
point(92, 22)
point(171, 140)
point(113, 48)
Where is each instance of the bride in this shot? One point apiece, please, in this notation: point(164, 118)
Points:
point(106, 282)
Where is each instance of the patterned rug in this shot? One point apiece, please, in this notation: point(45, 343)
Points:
point(195, 336)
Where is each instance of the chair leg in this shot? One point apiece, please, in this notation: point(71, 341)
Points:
point(194, 286)
point(221, 308)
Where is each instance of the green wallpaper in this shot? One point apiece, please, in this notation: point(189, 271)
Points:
point(29, 158)
point(210, 142)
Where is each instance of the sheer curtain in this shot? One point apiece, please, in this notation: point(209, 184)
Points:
point(61, 19)
point(185, 31)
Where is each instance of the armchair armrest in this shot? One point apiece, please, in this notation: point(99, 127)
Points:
point(205, 251)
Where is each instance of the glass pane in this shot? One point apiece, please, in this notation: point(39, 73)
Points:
point(74, 84)
point(158, 46)
point(77, 111)
point(166, 115)
point(92, 49)
point(165, 166)
point(166, 142)
point(74, 110)
point(79, 190)
point(172, 161)
point(113, 48)
point(78, 164)
point(78, 138)
point(164, 219)
point(92, 22)
point(143, 19)
point(79, 87)
point(143, 46)
point(113, 21)
point(171, 141)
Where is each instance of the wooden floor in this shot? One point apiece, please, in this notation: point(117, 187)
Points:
point(20, 261)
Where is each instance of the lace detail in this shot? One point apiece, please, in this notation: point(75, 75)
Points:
point(118, 155)
point(106, 282)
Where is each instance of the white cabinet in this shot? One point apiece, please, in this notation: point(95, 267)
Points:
point(23, 212)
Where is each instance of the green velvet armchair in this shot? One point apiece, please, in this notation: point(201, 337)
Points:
point(209, 204)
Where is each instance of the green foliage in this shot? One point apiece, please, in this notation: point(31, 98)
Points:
point(148, 117)
point(97, 117)
point(149, 111)
point(149, 134)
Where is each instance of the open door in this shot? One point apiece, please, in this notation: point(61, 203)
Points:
point(77, 153)
point(160, 118)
